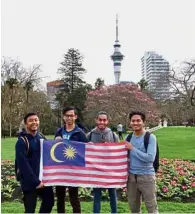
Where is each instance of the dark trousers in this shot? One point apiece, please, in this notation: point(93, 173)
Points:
point(30, 200)
point(74, 199)
point(97, 200)
point(120, 134)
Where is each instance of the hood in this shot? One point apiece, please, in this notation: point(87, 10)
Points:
point(99, 136)
point(22, 133)
point(101, 132)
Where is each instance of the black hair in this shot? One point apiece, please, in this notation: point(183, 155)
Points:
point(29, 115)
point(141, 114)
point(102, 113)
point(69, 108)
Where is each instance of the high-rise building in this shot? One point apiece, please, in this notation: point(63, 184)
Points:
point(155, 70)
point(117, 57)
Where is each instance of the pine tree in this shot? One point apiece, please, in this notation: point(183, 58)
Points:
point(72, 70)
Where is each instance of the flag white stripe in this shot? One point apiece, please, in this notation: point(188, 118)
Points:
point(111, 148)
point(106, 167)
point(84, 172)
point(84, 185)
point(108, 154)
point(80, 178)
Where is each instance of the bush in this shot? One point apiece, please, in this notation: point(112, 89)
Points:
point(176, 180)
point(10, 188)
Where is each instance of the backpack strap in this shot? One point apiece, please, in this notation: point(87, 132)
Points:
point(114, 138)
point(25, 140)
point(42, 135)
point(146, 140)
point(90, 135)
point(129, 137)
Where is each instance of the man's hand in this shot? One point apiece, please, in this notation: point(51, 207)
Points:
point(91, 143)
point(129, 146)
point(41, 185)
point(58, 138)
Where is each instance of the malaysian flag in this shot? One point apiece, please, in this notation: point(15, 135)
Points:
point(71, 163)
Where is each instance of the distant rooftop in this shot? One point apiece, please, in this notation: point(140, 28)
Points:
point(55, 83)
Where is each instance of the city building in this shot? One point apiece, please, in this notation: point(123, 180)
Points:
point(127, 82)
point(155, 70)
point(54, 87)
point(117, 57)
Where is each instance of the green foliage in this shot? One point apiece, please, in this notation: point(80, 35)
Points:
point(143, 84)
point(76, 89)
point(9, 185)
point(99, 83)
point(72, 70)
point(176, 179)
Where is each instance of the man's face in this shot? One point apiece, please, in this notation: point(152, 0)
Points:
point(102, 121)
point(136, 123)
point(32, 123)
point(70, 117)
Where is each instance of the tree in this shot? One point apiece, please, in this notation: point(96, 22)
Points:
point(17, 92)
point(143, 84)
point(182, 79)
point(118, 101)
point(99, 83)
point(32, 78)
point(76, 89)
point(72, 69)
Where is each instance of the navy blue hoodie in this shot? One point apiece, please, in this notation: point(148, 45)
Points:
point(78, 134)
point(28, 163)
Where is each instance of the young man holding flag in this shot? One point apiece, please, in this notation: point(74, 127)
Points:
point(70, 131)
point(141, 180)
point(27, 167)
point(102, 134)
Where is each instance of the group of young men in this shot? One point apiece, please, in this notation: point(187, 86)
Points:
point(141, 177)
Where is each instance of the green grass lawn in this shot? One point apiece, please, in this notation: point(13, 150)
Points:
point(8, 147)
point(176, 142)
point(166, 207)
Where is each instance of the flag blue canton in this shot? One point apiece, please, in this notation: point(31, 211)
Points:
point(68, 153)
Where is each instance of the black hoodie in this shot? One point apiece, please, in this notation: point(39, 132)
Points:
point(28, 161)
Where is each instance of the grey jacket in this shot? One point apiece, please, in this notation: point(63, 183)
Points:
point(98, 136)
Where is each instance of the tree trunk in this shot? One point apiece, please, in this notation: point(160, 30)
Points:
point(10, 128)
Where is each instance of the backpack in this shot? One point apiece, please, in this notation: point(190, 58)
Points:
point(25, 140)
point(146, 142)
point(90, 135)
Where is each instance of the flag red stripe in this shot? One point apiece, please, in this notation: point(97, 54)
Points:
point(83, 175)
point(105, 163)
point(84, 168)
point(106, 157)
point(81, 182)
point(105, 150)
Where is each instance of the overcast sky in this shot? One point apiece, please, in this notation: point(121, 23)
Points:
point(41, 31)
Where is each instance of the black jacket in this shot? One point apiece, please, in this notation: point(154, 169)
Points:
point(28, 161)
point(78, 134)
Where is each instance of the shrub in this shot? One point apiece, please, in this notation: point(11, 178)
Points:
point(176, 179)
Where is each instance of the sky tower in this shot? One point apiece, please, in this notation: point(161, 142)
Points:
point(117, 57)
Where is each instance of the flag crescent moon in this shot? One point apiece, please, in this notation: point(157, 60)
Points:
point(52, 152)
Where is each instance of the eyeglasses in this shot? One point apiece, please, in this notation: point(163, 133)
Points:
point(69, 115)
point(100, 120)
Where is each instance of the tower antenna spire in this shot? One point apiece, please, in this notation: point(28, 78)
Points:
point(117, 27)
point(117, 57)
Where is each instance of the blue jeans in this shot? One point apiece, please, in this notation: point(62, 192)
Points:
point(97, 192)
